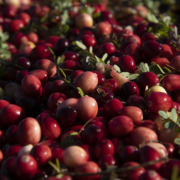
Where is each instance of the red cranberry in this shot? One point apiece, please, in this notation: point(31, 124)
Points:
point(105, 161)
point(166, 51)
point(61, 45)
point(20, 75)
point(159, 101)
point(41, 153)
point(25, 166)
point(88, 41)
point(3, 103)
point(140, 29)
point(160, 61)
point(108, 48)
point(111, 108)
point(102, 28)
point(150, 175)
point(120, 126)
point(111, 84)
point(75, 73)
point(19, 38)
point(147, 37)
point(11, 115)
point(134, 38)
point(11, 135)
point(57, 153)
point(12, 150)
point(50, 128)
point(170, 148)
point(15, 25)
point(66, 116)
point(54, 100)
point(25, 17)
point(70, 55)
point(151, 49)
point(101, 77)
point(23, 62)
point(10, 11)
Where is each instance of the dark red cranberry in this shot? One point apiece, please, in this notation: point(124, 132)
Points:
point(52, 40)
point(10, 11)
point(138, 101)
point(147, 37)
point(150, 175)
point(11, 135)
point(105, 161)
point(23, 62)
point(66, 116)
point(20, 75)
point(151, 49)
point(25, 17)
point(124, 34)
point(140, 29)
point(102, 95)
point(3, 103)
point(15, 25)
point(147, 79)
point(70, 55)
point(170, 148)
point(134, 38)
point(61, 45)
point(108, 48)
point(12, 150)
point(105, 15)
point(75, 73)
point(112, 85)
point(160, 61)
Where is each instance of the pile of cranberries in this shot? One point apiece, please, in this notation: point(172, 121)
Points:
point(66, 111)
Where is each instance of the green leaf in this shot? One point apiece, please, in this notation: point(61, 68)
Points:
point(91, 49)
point(126, 74)
point(81, 92)
point(54, 166)
point(173, 114)
point(74, 133)
point(65, 29)
point(85, 53)
point(147, 67)
point(62, 73)
point(163, 114)
point(178, 121)
point(64, 17)
point(60, 60)
point(99, 59)
point(133, 76)
point(54, 56)
point(169, 124)
point(2, 71)
point(156, 68)
point(117, 68)
point(5, 54)
point(90, 10)
point(96, 15)
point(143, 67)
point(167, 69)
point(177, 130)
point(80, 45)
point(175, 172)
point(177, 141)
point(57, 163)
point(152, 18)
point(104, 56)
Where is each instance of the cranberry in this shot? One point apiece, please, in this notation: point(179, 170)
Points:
point(88, 41)
point(159, 101)
point(105, 161)
point(8, 164)
point(147, 37)
point(111, 84)
point(12, 150)
point(71, 102)
point(102, 95)
point(150, 175)
point(108, 48)
point(25, 166)
point(54, 100)
point(15, 25)
point(102, 28)
point(70, 55)
point(120, 126)
point(61, 45)
point(124, 34)
point(20, 75)
point(41, 153)
point(111, 108)
point(18, 39)
point(52, 40)
point(151, 49)
point(11, 115)
point(75, 73)
point(101, 77)
point(10, 11)
point(83, 20)
point(140, 29)
point(66, 116)
point(134, 38)
point(50, 128)
point(114, 60)
point(166, 51)
point(3, 103)
point(57, 153)
point(104, 147)
point(25, 17)
point(11, 135)
point(160, 61)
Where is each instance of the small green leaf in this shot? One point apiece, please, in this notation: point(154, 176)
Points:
point(169, 124)
point(5, 54)
point(91, 49)
point(54, 166)
point(143, 67)
point(99, 59)
point(74, 133)
point(178, 121)
point(62, 72)
point(163, 114)
point(90, 10)
point(54, 56)
point(96, 15)
point(147, 67)
point(126, 74)
point(133, 76)
point(57, 163)
point(177, 130)
point(65, 29)
point(85, 53)
point(64, 17)
point(177, 141)
point(117, 68)
point(81, 92)
point(167, 69)
point(104, 56)
point(152, 18)
point(173, 114)
point(80, 45)
point(60, 60)
point(156, 68)
point(175, 172)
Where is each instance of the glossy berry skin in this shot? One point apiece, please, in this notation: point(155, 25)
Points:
point(66, 116)
point(120, 126)
point(11, 135)
point(92, 134)
point(142, 135)
point(101, 77)
point(104, 147)
point(102, 28)
point(42, 153)
point(108, 48)
point(11, 115)
point(70, 55)
point(171, 82)
point(111, 84)
point(15, 25)
point(50, 128)
point(111, 108)
point(54, 100)
point(160, 61)
point(147, 79)
point(87, 108)
point(25, 166)
point(23, 62)
point(106, 161)
point(83, 20)
point(151, 49)
point(129, 88)
point(61, 45)
point(166, 51)
point(147, 37)
point(150, 175)
point(134, 38)
point(159, 101)
point(88, 41)
point(3, 103)
point(32, 86)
